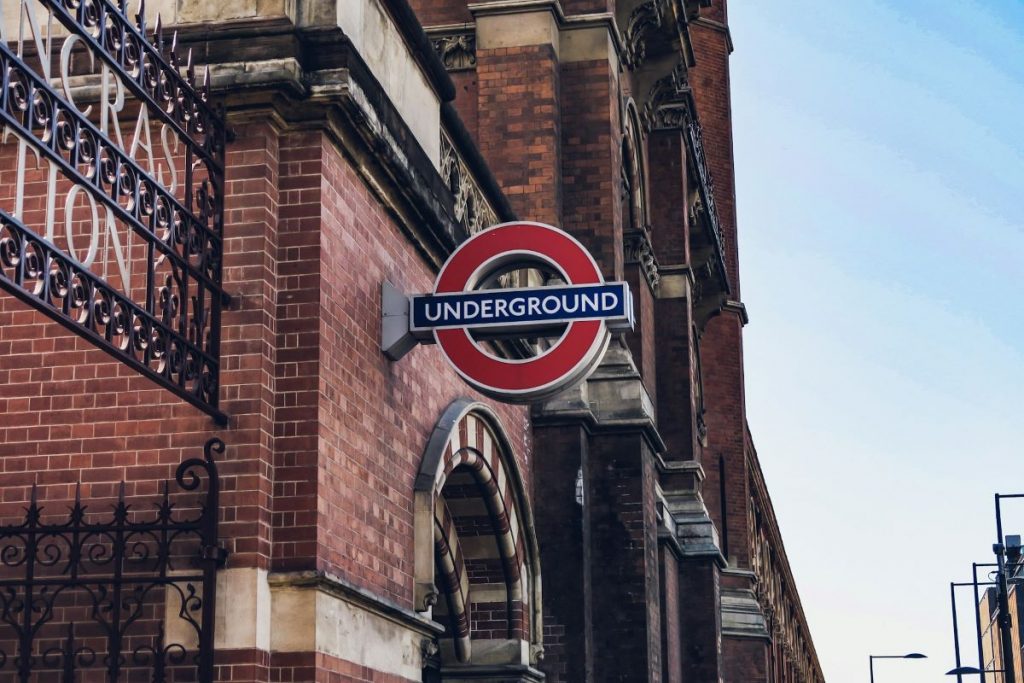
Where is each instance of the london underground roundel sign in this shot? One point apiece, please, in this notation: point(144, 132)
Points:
point(464, 308)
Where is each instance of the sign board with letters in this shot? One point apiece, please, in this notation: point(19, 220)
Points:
point(465, 310)
point(113, 226)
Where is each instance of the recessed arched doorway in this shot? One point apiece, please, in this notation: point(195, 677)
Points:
point(476, 553)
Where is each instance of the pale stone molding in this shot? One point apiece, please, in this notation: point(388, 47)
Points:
point(618, 398)
point(695, 531)
point(675, 282)
point(317, 612)
point(538, 27)
point(741, 614)
point(243, 609)
point(576, 38)
point(367, 24)
point(739, 308)
point(380, 43)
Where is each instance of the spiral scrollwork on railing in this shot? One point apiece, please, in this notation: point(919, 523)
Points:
point(167, 326)
point(127, 589)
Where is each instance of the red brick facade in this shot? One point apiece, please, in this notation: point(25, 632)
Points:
point(646, 538)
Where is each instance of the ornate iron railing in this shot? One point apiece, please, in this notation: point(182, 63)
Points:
point(127, 597)
point(166, 325)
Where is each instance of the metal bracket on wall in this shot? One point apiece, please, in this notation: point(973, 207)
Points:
point(395, 338)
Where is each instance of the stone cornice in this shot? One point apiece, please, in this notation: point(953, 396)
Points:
point(612, 399)
point(718, 26)
point(675, 282)
point(508, 673)
point(619, 399)
point(741, 614)
point(516, 7)
point(737, 308)
point(314, 78)
point(566, 24)
point(343, 589)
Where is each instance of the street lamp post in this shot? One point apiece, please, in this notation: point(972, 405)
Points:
point(872, 658)
point(960, 670)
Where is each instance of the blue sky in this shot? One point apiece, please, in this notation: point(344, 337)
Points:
point(880, 178)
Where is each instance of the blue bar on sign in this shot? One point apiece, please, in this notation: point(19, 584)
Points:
point(518, 307)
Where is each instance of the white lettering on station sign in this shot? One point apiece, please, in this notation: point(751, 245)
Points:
point(462, 311)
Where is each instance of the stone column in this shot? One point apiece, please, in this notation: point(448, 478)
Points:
point(562, 520)
point(700, 567)
point(622, 501)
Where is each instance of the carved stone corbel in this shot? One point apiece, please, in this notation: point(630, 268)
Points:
point(456, 50)
point(643, 20)
point(637, 249)
point(672, 88)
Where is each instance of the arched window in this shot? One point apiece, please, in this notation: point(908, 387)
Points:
point(634, 186)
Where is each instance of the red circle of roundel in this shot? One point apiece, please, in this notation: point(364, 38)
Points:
point(571, 356)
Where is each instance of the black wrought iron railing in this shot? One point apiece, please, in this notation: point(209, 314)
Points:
point(120, 596)
point(164, 321)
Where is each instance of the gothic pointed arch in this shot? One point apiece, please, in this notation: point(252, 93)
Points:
point(476, 567)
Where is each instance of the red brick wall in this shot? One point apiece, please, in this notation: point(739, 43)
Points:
point(466, 100)
point(563, 534)
point(325, 435)
point(375, 415)
point(711, 89)
point(334, 670)
point(70, 413)
point(244, 666)
point(668, 188)
point(519, 127)
point(624, 557)
point(297, 346)
point(440, 12)
point(700, 621)
point(744, 660)
point(591, 159)
point(721, 351)
point(672, 655)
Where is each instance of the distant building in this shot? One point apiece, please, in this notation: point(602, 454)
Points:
point(369, 519)
point(991, 635)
